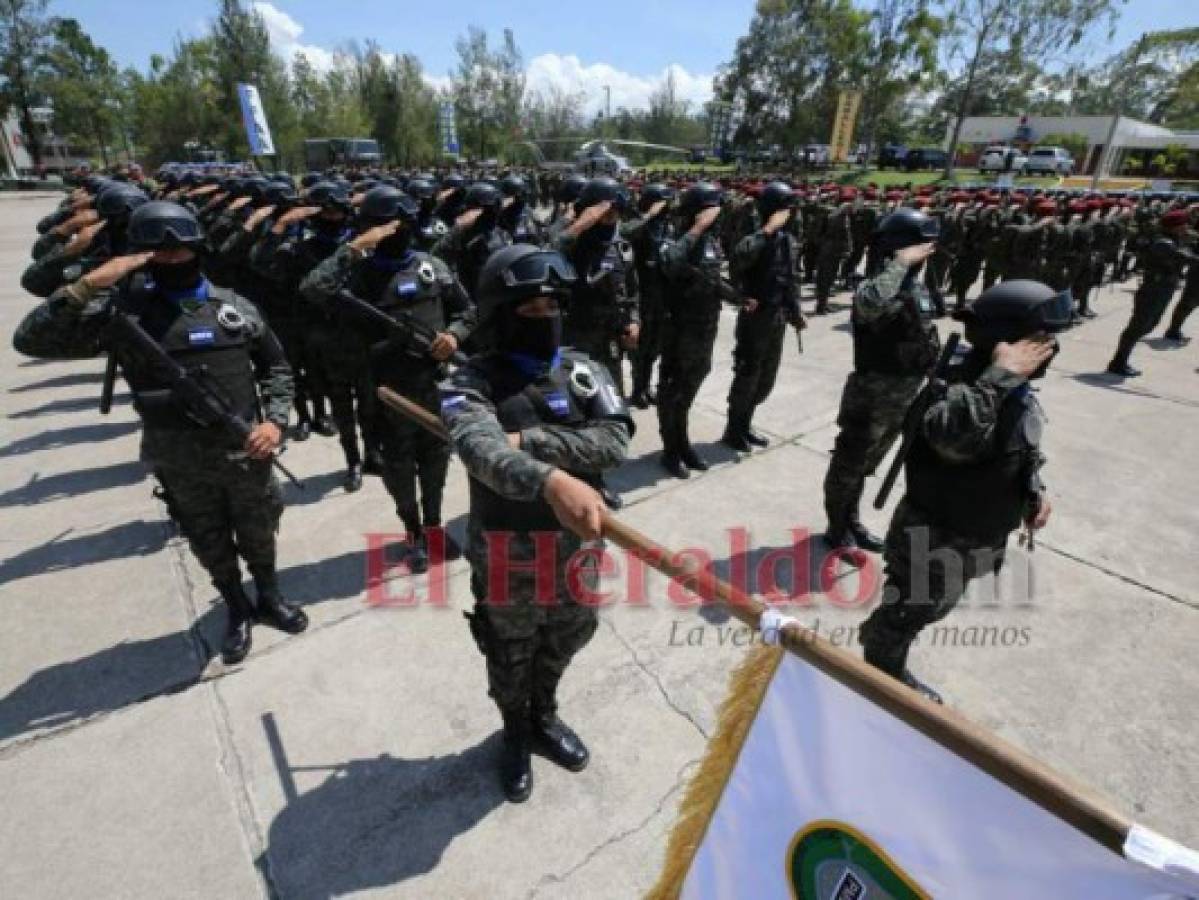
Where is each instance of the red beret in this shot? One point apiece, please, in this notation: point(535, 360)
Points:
point(1175, 218)
point(1045, 208)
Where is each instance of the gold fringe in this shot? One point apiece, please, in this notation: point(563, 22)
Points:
point(747, 688)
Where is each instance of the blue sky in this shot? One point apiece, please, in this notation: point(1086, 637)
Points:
point(628, 44)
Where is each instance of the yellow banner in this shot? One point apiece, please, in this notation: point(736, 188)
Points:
point(847, 114)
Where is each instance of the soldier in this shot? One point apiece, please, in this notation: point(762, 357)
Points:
point(994, 240)
point(515, 217)
point(691, 267)
point(972, 473)
point(429, 228)
point(435, 317)
point(298, 241)
point(1163, 260)
point(475, 236)
point(1185, 306)
point(968, 263)
point(223, 496)
point(646, 235)
point(764, 264)
point(894, 345)
point(93, 241)
point(834, 246)
point(534, 425)
point(815, 217)
point(862, 221)
point(1026, 242)
point(1085, 263)
point(363, 266)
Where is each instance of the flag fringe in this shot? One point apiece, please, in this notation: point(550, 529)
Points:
point(747, 689)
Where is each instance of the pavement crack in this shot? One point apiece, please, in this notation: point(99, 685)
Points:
point(1120, 576)
point(655, 678)
point(551, 879)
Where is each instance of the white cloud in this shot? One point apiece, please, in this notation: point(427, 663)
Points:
point(284, 32)
point(568, 73)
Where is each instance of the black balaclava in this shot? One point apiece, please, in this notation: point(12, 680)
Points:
point(536, 337)
point(176, 276)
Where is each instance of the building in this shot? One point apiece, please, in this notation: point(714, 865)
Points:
point(1130, 139)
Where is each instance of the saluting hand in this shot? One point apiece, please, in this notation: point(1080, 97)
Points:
point(257, 216)
point(292, 216)
point(115, 269)
point(83, 239)
point(371, 238)
point(1025, 356)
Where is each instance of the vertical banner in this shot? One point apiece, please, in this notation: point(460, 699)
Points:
point(258, 132)
point(843, 124)
point(719, 117)
point(447, 128)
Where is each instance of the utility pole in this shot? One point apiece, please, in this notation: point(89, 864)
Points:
point(607, 107)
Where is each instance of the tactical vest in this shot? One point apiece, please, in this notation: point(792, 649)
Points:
point(985, 498)
point(771, 279)
point(906, 344)
point(1163, 268)
point(476, 252)
point(521, 404)
point(199, 343)
point(594, 300)
point(415, 291)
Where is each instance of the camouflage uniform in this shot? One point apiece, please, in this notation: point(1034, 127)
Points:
point(936, 269)
point(1186, 303)
point(1163, 260)
point(862, 222)
point(765, 267)
point(56, 268)
point(603, 302)
point(972, 476)
point(1026, 241)
point(834, 245)
point(465, 250)
point(891, 314)
point(225, 504)
point(691, 266)
point(528, 642)
point(815, 218)
point(996, 246)
point(646, 237)
point(968, 263)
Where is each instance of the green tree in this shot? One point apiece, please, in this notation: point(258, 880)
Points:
point(84, 87)
point(988, 35)
point(243, 55)
point(24, 32)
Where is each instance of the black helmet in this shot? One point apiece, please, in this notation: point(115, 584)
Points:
point(570, 188)
point(906, 227)
point(775, 196)
point(278, 194)
point(483, 195)
point(700, 196)
point(653, 193)
point(514, 186)
point(452, 182)
point(254, 188)
point(602, 190)
point(1016, 309)
point(118, 200)
point(518, 272)
point(310, 179)
point(383, 203)
point(362, 185)
point(422, 188)
point(162, 225)
point(329, 195)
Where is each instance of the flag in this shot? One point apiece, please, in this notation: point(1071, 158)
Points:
point(812, 790)
point(258, 132)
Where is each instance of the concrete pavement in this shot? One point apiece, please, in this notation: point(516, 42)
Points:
point(356, 758)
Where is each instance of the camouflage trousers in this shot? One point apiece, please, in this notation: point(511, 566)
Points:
point(756, 357)
point(962, 276)
point(871, 416)
point(826, 271)
point(225, 509)
point(351, 401)
point(1185, 306)
point(649, 341)
point(411, 455)
point(1149, 304)
point(310, 388)
point(927, 571)
point(686, 362)
point(529, 644)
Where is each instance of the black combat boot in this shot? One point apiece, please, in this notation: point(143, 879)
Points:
point(418, 552)
point(734, 434)
point(516, 764)
point(864, 538)
point(324, 425)
point(374, 463)
point(691, 459)
point(353, 480)
point(272, 608)
point(302, 431)
point(1176, 335)
point(611, 498)
point(239, 618)
point(639, 398)
point(753, 437)
point(1119, 364)
point(891, 656)
point(558, 742)
point(671, 463)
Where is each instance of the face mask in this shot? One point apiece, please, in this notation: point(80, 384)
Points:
point(396, 245)
point(176, 276)
point(535, 336)
point(329, 229)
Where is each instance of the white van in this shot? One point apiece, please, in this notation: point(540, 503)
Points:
point(1049, 161)
point(1001, 159)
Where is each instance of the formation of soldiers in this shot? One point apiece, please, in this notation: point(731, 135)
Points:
point(507, 306)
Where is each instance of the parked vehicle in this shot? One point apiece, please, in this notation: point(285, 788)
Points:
point(925, 158)
point(891, 155)
point(1049, 161)
point(321, 153)
point(1001, 159)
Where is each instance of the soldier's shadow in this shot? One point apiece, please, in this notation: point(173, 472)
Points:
point(793, 576)
point(646, 470)
point(375, 822)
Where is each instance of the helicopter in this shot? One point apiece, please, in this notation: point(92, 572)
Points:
point(593, 157)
